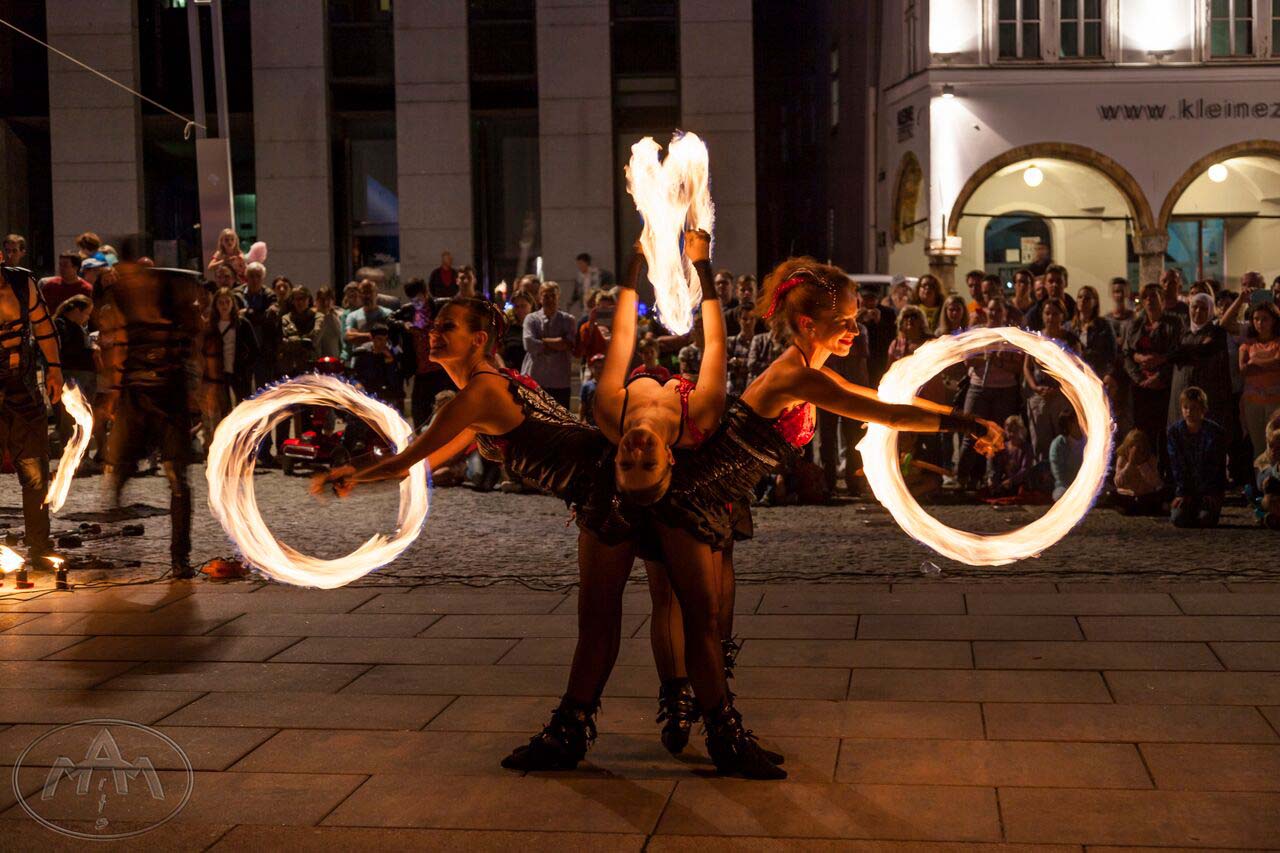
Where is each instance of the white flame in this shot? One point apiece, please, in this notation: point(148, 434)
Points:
point(672, 196)
point(231, 494)
point(82, 430)
point(1082, 388)
point(10, 561)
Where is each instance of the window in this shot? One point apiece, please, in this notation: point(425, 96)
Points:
point(1275, 27)
point(1231, 27)
point(1018, 29)
point(1080, 29)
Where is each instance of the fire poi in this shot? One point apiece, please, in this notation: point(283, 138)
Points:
point(1082, 388)
point(82, 431)
point(231, 494)
point(671, 196)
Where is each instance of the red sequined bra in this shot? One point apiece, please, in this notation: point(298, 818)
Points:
point(796, 424)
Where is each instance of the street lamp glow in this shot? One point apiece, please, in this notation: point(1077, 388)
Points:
point(1033, 177)
point(1218, 173)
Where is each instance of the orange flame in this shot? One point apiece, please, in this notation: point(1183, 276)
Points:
point(82, 430)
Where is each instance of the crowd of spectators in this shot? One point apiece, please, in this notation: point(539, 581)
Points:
point(1193, 375)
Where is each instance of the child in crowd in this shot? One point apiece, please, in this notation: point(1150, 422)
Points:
point(228, 254)
point(1139, 489)
point(1066, 452)
point(1267, 469)
point(1197, 462)
point(1010, 467)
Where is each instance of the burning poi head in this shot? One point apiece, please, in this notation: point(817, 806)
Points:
point(672, 196)
point(879, 448)
point(82, 430)
point(231, 495)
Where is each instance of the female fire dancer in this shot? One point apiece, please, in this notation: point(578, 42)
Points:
point(647, 417)
point(515, 421)
point(710, 488)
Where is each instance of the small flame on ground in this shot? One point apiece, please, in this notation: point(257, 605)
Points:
point(231, 494)
point(1082, 388)
point(672, 196)
point(82, 430)
point(10, 560)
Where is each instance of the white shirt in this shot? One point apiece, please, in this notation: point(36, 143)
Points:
point(228, 332)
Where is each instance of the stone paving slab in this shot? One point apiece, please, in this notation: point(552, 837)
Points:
point(854, 600)
point(253, 839)
point(1196, 688)
point(327, 625)
point(34, 647)
point(737, 844)
point(1213, 767)
point(1094, 656)
point(977, 686)
point(307, 710)
point(992, 763)
point(516, 627)
point(1072, 603)
point(1180, 628)
point(208, 747)
point(1246, 656)
point(23, 836)
point(415, 650)
point(59, 675)
point(27, 705)
point(532, 804)
point(221, 648)
point(1128, 723)
point(832, 811)
point(1141, 817)
point(554, 651)
point(224, 676)
point(858, 654)
point(975, 627)
point(1254, 603)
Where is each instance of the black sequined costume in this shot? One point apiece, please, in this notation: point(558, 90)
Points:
point(711, 487)
point(564, 456)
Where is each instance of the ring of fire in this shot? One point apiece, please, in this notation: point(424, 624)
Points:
point(230, 467)
point(1082, 388)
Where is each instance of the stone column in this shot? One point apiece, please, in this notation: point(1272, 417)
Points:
point(433, 134)
point(944, 267)
point(1150, 249)
point(717, 101)
point(95, 128)
point(575, 136)
point(292, 158)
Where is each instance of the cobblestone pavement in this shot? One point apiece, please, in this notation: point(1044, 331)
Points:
point(483, 537)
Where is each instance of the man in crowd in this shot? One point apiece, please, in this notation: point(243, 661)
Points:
point(837, 436)
point(1055, 287)
point(149, 322)
point(87, 245)
point(1042, 262)
point(585, 280)
point(726, 292)
point(25, 326)
point(881, 324)
point(66, 284)
point(976, 304)
point(257, 300)
point(429, 378)
point(358, 325)
point(1122, 306)
point(443, 282)
point(1171, 281)
point(15, 250)
point(548, 344)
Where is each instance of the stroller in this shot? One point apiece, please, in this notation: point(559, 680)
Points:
point(320, 444)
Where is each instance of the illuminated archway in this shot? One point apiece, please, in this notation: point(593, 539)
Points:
point(1250, 148)
point(1117, 175)
point(906, 199)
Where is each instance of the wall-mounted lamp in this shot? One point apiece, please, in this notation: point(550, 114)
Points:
point(1157, 56)
point(1218, 173)
point(1032, 176)
point(948, 91)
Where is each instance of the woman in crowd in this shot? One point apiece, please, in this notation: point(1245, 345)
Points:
point(513, 339)
point(1047, 402)
point(328, 328)
point(955, 316)
point(1023, 282)
point(929, 299)
point(1260, 367)
point(230, 348)
point(298, 330)
point(739, 348)
point(1202, 360)
point(912, 334)
point(1149, 341)
point(900, 296)
point(993, 393)
point(1097, 340)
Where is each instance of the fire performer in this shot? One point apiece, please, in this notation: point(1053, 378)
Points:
point(25, 326)
point(707, 504)
point(149, 320)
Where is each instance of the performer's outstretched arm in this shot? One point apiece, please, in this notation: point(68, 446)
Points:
point(864, 391)
point(707, 405)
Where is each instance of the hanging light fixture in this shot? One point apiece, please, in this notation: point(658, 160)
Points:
point(1218, 172)
point(1032, 176)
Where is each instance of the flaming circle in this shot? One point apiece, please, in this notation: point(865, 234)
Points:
point(671, 196)
point(231, 495)
point(82, 430)
point(1083, 389)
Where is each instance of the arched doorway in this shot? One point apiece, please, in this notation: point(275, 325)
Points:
point(1078, 211)
point(1223, 214)
point(909, 217)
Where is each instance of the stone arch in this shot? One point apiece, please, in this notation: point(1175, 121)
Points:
point(1248, 148)
point(1139, 207)
point(906, 198)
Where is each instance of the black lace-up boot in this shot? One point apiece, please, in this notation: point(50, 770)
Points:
point(731, 650)
point(561, 744)
point(733, 749)
point(678, 710)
